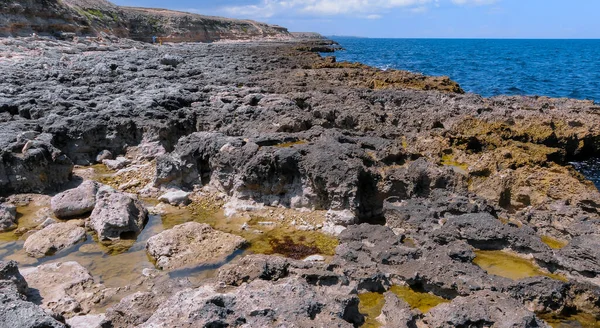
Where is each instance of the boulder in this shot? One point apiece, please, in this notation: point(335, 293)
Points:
point(105, 154)
point(116, 214)
point(86, 321)
point(8, 217)
point(65, 288)
point(75, 202)
point(116, 164)
point(10, 277)
point(176, 198)
point(191, 244)
point(484, 308)
point(54, 238)
point(15, 310)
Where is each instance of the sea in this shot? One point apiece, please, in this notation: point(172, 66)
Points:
point(491, 67)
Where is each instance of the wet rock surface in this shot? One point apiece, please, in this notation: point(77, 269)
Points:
point(54, 238)
point(421, 183)
point(191, 244)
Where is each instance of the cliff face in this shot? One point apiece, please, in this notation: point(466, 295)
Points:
point(91, 17)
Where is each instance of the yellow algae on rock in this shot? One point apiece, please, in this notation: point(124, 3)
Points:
point(553, 243)
point(510, 266)
point(370, 306)
point(418, 300)
point(573, 320)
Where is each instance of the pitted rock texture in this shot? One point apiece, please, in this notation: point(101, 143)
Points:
point(54, 238)
point(75, 202)
point(15, 309)
point(191, 244)
point(117, 215)
point(424, 176)
point(8, 217)
point(65, 288)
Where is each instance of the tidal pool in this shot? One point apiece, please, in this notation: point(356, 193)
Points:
point(510, 266)
point(577, 320)
point(553, 243)
point(371, 304)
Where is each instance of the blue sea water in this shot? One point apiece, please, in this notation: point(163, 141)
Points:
point(555, 68)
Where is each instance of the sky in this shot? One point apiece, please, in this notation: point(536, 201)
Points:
point(408, 18)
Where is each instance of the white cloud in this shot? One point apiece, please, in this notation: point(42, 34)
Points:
point(370, 9)
point(474, 2)
point(365, 8)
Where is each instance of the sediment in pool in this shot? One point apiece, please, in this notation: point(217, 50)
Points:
point(510, 266)
point(372, 303)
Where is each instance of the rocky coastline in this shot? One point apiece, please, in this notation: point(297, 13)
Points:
point(260, 184)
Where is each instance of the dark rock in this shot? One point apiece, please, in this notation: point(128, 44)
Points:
point(482, 309)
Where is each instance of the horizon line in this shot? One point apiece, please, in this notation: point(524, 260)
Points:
point(458, 38)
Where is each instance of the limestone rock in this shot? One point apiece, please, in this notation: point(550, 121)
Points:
point(289, 302)
point(396, 313)
point(116, 164)
point(86, 321)
point(254, 267)
point(75, 202)
point(116, 214)
point(8, 217)
point(179, 197)
point(191, 244)
point(485, 307)
point(15, 310)
point(54, 238)
point(65, 288)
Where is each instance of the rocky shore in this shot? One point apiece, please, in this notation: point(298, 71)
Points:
point(263, 185)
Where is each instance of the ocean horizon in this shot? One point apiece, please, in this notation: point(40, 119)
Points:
point(555, 68)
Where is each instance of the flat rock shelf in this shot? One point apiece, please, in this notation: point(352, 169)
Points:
point(260, 184)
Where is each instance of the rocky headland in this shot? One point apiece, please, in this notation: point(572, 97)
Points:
point(261, 184)
point(69, 18)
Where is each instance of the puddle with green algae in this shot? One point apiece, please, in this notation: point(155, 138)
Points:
point(577, 320)
point(290, 144)
point(448, 160)
point(553, 243)
point(120, 264)
point(510, 266)
point(371, 304)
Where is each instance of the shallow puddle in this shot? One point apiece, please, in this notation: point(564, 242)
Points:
point(510, 266)
point(582, 320)
point(553, 243)
point(371, 304)
point(418, 300)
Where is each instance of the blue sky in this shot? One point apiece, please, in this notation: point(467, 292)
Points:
point(409, 18)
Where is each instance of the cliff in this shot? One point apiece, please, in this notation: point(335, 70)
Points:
point(93, 17)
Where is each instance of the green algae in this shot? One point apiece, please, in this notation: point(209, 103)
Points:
point(573, 320)
point(290, 144)
point(448, 160)
point(417, 300)
point(553, 243)
point(510, 266)
point(272, 238)
point(371, 304)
